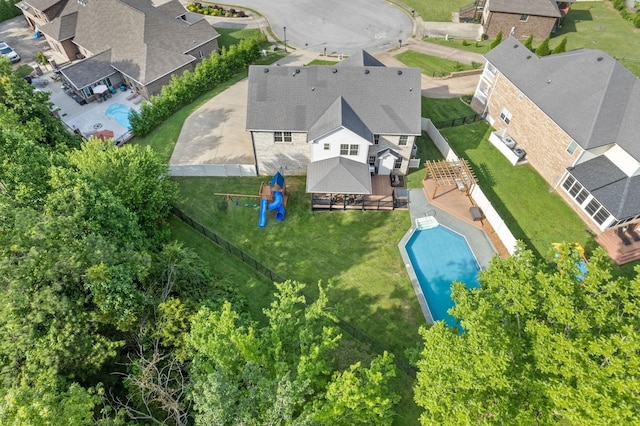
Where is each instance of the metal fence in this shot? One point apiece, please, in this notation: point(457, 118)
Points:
point(459, 121)
point(402, 363)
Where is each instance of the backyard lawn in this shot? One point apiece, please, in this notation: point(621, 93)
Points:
point(431, 65)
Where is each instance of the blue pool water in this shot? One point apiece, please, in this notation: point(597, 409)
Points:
point(120, 113)
point(440, 256)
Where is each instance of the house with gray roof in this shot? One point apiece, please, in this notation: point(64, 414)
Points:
point(520, 18)
point(576, 116)
point(113, 42)
point(338, 125)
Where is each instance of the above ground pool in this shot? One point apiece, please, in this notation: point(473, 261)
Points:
point(120, 113)
point(440, 256)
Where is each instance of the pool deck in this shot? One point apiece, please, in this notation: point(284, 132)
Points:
point(478, 240)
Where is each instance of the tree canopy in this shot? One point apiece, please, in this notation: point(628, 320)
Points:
point(540, 345)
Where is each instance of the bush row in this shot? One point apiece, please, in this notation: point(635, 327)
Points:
point(621, 6)
point(184, 89)
point(215, 10)
point(8, 9)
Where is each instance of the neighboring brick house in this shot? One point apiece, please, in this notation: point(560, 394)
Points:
point(520, 18)
point(358, 116)
point(120, 41)
point(576, 115)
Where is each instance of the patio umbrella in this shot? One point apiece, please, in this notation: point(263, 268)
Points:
point(104, 134)
point(100, 89)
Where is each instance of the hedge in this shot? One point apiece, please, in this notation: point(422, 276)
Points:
point(184, 89)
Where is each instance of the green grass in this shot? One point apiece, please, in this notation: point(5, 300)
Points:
point(432, 65)
point(480, 47)
point(521, 196)
point(444, 109)
point(322, 62)
point(231, 36)
point(436, 10)
point(597, 25)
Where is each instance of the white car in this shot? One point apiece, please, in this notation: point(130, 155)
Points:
point(8, 52)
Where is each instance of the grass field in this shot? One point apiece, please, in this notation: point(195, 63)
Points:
point(436, 10)
point(431, 65)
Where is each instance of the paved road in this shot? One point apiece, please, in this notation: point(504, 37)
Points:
point(339, 26)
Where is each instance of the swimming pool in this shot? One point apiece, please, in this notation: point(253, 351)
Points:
point(120, 113)
point(438, 257)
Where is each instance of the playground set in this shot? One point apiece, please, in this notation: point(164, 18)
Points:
point(563, 250)
point(273, 196)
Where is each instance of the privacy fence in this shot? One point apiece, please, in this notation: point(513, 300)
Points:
point(401, 362)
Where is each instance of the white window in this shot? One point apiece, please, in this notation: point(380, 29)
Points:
point(593, 208)
point(372, 160)
point(491, 68)
point(327, 147)
point(505, 116)
point(398, 163)
point(520, 96)
point(572, 147)
point(376, 139)
point(403, 140)
point(524, 18)
point(282, 136)
point(344, 149)
point(353, 150)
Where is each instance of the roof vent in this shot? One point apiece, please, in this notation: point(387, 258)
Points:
point(313, 89)
point(266, 70)
point(515, 46)
point(334, 70)
point(528, 56)
point(399, 72)
point(297, 70)
point(548, 81)
point(366, 71)
point(600, 58)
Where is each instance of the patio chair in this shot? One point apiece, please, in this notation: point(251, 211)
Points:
point(620, 233)
point(631, 230)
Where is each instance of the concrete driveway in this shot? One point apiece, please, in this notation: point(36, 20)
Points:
point(337, 25)
point(17, 34)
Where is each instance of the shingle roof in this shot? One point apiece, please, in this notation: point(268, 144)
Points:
point(339, 114)
point(362, 58)
point(90, 70)
point(63, 28)
point(526, 7)
point(619, 194)
point(387, 100)
point(586, 92)
point(41, 5)
point(338, 175)
point(146, 42)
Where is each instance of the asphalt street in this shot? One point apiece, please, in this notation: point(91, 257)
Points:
point(339, 26)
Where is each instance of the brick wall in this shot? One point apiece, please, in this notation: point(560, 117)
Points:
point(539, 26)
point(544, 141)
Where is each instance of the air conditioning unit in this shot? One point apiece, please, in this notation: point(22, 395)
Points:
point(508, 141)
point(520, 153)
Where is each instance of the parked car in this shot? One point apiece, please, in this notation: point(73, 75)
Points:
point(8, 52)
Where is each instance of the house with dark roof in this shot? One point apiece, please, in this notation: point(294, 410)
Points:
point(113, 42)
point(576, 116)
point(520, 18)
point(338, 125)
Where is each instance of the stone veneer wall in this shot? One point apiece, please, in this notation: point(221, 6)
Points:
point(539, 26)
point(290, 158)
point(543, 140)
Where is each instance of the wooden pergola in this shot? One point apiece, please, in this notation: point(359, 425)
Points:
point(449, 173)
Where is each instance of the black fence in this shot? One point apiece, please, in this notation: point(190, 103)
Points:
point(401, 362)
point(460, 121)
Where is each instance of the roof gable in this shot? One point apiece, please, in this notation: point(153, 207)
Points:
point(339, 114)
point(338, 175)
point(361, 58)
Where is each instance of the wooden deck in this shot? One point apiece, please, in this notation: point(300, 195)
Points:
point(619, 252)
point(383, 197)
point(455, 202)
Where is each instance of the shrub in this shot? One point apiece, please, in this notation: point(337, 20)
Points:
point(498, 40)
point(465, 43)
point(41, 58)
point(528, 43)
point(636, 20)
point(543, 49)
point(561, 47)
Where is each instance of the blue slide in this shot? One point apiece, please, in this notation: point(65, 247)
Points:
point(263, 213)
point(276, 204)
